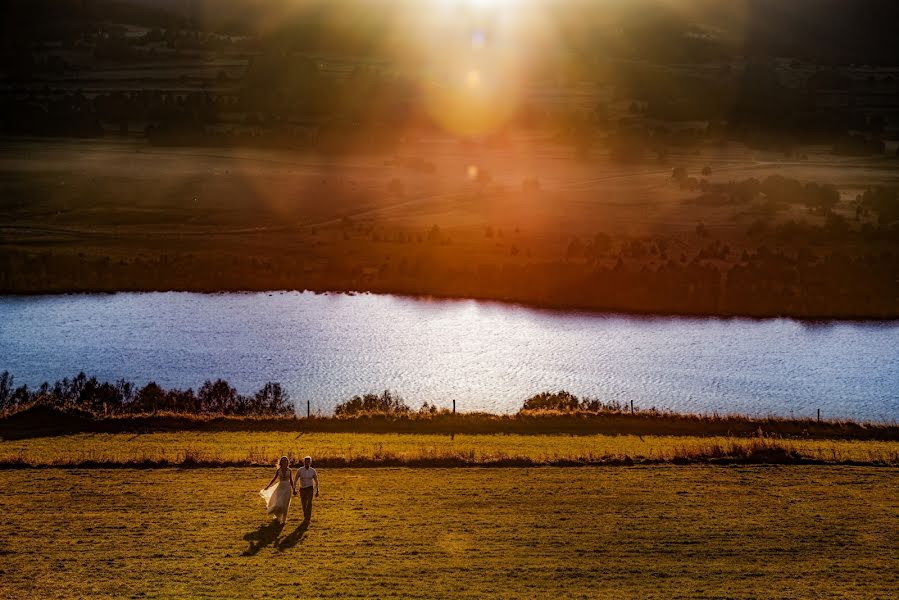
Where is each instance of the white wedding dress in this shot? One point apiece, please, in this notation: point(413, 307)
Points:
point(277, 497)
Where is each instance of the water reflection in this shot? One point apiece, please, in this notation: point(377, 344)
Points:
point(487, 356)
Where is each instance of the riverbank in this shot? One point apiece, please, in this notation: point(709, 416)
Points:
point(512, 533)
point(44, 421)
point(569, 301)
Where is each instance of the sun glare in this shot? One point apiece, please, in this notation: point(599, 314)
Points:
point(474, 53)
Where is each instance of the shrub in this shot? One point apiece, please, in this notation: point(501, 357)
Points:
point(562, 400)
point(385, 403)
point(567, 402)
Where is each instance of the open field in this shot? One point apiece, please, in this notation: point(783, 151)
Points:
point(664, 532)
point(264, 448)
point(527, 221)
point(124, 196)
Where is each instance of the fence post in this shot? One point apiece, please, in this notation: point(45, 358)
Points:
point(819, 415)
point(308, 408)
point(454, 406)
point(632, 406)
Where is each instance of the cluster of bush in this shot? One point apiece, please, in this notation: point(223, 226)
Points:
point(776, 190)
point(882, 201)
point(567, 402)
point(391, 403)
point(124, 398)
point(385, 403)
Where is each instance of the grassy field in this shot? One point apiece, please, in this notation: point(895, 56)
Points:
point(529, 222)
point(266, 447)
point(146, 201)
point(665, 532)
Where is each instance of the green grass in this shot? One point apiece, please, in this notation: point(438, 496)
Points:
point(660, 531)
point(266, 447)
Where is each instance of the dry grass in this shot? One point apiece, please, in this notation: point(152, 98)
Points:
point(644, 532)
point(361, 449)
point(42, 420)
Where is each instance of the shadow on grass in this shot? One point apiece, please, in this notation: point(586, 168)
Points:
point(294, 537)
point(266, 534)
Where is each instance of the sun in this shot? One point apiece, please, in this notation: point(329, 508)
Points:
point(472, 54)
point(483, 5)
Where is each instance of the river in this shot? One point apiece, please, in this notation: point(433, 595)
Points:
point(487, 356)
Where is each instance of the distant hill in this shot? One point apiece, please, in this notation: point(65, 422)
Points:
point(856, 31)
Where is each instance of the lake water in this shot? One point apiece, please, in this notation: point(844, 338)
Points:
point(486, 356)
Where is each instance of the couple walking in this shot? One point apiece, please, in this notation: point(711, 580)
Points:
point(277, 499)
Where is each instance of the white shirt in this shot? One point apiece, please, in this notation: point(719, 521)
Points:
point(306, 476)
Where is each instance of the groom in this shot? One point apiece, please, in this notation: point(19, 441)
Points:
point(306, 477)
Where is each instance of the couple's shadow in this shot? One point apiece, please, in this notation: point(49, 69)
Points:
point(267, 535)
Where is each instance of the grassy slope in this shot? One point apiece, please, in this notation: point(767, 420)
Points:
point(266, 447)
point(591, 532)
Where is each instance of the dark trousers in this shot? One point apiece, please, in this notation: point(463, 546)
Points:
point(306, 499)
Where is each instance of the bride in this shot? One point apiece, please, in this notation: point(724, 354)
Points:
point(277, 499)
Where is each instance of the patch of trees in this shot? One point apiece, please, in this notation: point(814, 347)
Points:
point(797, 269)
point(882, 201)
point(75, 114)
point(563, 401)
point(836, 284)
point(124, 398)
point(72, 115)
point(385, 403)
point(775, 192)
point(26, 22)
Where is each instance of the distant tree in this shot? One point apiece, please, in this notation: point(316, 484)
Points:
point(217, 397)
point(106, 398)
point(883, 201)
point(6, 391)
point(183, 401)
point(150, 398)
point(272, 400)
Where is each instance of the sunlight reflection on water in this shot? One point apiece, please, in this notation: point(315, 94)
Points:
point(488, 356)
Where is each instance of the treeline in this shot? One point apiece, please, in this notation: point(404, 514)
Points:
point(124, 398)
point(286, 98)
point(774, 191)
point(765, 282)
point(543, 414)
point(293, 102)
